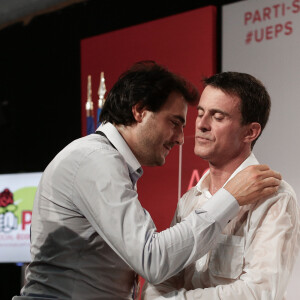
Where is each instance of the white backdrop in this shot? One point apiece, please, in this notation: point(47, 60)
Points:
point(262, 38)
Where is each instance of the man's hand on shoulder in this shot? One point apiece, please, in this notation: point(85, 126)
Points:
point(253, 183)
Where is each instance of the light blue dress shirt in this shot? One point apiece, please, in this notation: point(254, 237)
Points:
point(90, 235)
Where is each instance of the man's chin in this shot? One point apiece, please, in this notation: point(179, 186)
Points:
point(157, 163)
point(161, 162)
point(201, 154)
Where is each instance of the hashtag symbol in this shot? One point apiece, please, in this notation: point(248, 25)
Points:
point(249, 37)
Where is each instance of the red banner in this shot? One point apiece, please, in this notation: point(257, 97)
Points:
point(185, 43)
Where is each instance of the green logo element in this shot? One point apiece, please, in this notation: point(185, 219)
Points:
point(24, 198)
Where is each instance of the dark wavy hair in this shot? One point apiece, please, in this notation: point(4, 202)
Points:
point(255, 103)
point(148, 84)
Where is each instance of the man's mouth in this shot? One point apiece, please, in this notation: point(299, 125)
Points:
point(202, 138)
point(168, 147)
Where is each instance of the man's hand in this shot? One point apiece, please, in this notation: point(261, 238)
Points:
point(253, 183)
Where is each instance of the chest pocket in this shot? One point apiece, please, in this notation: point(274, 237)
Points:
point(227, 258)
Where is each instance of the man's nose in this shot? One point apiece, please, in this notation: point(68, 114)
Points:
point(180, 139)
point(203, 123)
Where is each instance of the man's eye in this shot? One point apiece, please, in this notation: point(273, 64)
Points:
point(175, 123)
point(218, 117)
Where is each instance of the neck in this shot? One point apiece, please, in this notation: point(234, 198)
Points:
point(125, 133)
point(219, 174)
point(129, 135)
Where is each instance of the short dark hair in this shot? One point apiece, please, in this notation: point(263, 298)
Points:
point(146, 83)
point(255, 100)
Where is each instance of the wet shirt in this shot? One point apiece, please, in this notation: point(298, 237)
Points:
point(254, 256)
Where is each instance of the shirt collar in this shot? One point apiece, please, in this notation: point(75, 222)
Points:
point(117, 140)
point(203, 183)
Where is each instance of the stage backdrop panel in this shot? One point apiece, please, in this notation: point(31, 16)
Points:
point(17, 193)
point(263, 38)
point(185, 43)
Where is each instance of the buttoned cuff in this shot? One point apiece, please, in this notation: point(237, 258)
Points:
point(222, 207)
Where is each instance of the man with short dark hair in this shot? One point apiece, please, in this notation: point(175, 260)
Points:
point(256, 251)
point(90, 236)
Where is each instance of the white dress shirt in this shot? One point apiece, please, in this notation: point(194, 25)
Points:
point(254, 256)
point(90, 235)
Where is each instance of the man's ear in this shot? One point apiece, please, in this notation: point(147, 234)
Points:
point(253, 131)
point(138, 112)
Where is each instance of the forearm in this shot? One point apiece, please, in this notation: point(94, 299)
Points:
point(114, 211)
point(170, 251)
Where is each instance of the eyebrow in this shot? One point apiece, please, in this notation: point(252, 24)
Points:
point(214, 110)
